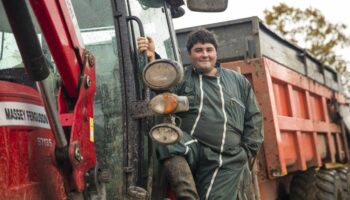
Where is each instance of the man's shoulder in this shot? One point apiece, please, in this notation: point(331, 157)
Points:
point(234, 75)
point(188, 68)
point(187, 79)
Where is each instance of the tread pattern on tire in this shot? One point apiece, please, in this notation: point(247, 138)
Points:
point(344, 175)
point(318, 185)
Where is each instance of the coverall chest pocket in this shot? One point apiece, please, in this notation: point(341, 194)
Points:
point(236, 109)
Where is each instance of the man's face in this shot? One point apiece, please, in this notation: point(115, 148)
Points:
point(203, 57)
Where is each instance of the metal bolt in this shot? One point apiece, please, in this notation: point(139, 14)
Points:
point(77, 154)
point(88, 81)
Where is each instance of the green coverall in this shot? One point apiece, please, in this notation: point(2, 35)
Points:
point(222, 130)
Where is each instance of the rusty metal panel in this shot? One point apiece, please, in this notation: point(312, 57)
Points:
point(306, 127)
point(298, 130)
point(280, 50)
point(331, 79)
point(314, 71)
point(263, 88)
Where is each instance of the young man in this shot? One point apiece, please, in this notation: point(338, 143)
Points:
point(223, 127)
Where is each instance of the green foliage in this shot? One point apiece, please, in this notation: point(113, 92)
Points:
point(309, 29)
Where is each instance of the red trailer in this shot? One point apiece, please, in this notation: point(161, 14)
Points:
point(305, 113)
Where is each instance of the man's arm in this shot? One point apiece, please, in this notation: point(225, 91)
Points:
point(253, 128)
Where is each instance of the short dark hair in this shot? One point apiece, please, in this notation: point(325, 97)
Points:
point(200, 35)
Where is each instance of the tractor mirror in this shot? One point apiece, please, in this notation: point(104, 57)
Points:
point(207, 5)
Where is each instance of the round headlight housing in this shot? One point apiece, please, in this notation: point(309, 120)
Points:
point(165, 133)
point(162, 74)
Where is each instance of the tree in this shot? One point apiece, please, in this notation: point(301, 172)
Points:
point(309, 29)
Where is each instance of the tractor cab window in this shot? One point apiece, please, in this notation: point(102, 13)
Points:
point(9, 54)
point(11, 64)
point(155, 19)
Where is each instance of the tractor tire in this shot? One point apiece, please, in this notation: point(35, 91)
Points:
point(246, 188)
point(316, 185)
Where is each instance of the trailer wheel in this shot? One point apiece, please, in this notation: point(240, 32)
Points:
point(344, 176)
point(303, 186)
point(329, 185)
point(316, 185)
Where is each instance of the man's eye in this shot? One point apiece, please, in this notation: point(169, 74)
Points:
point(210, 50)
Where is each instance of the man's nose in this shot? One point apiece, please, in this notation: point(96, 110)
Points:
point(204, 53)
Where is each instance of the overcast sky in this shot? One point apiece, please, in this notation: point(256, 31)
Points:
point(334, 10)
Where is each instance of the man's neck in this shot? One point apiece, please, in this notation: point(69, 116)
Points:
point(213, 72)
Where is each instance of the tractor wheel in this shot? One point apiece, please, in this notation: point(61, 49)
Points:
point(316, 185)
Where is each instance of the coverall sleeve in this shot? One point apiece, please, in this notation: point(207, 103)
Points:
point(253, 131)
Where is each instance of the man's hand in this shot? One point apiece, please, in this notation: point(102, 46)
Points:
point(146, 44)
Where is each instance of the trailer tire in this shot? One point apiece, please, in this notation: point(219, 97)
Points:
point(303, 185)
point(344, 176)
point(316, 185)
point(329, 185)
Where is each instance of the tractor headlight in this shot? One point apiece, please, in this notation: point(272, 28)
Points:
point(162, 74)
point(165, 133)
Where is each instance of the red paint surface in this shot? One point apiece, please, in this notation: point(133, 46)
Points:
point(70, 58)
point(27, 170)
